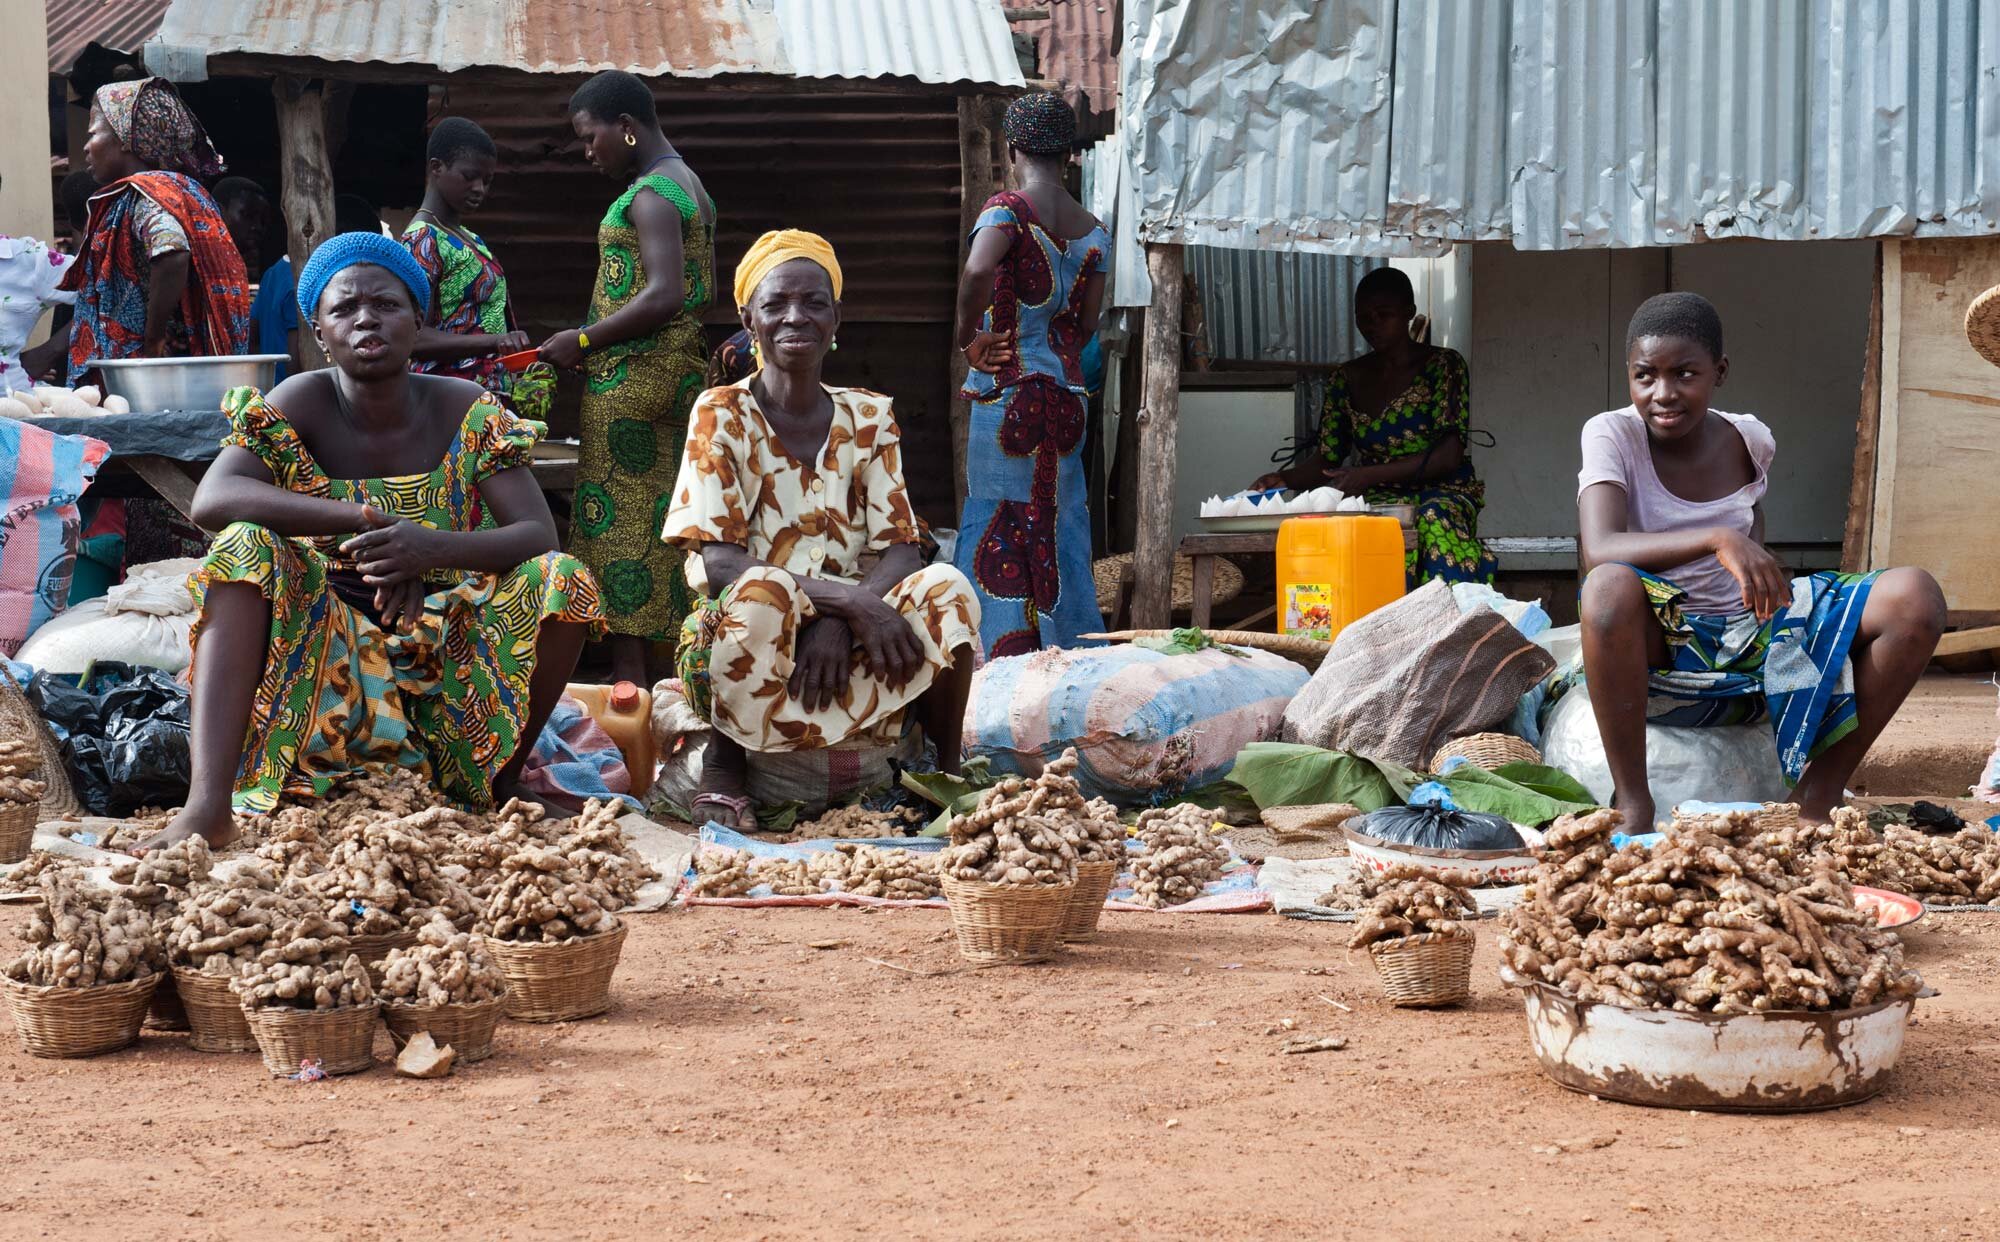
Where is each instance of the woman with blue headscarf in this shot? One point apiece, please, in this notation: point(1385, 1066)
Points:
point(386, 591)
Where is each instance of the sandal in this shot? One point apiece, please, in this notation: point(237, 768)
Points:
point(739, 809)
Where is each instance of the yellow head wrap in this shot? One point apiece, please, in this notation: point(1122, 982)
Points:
point(782, 246)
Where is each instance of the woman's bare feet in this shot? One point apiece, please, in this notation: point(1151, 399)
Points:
point(724, 770)
point(218, 824)
point(1640, 815)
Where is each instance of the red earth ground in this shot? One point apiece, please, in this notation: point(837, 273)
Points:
point(749, 1084)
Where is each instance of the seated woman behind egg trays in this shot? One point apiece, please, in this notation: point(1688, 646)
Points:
point(386, 591)
point(786, 487)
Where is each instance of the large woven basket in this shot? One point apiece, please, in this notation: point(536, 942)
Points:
point(372, 949)
point(341, 1040)
point(17, 829)
point(467, 1028)
point(215, 1017)
point(1086, 900)
point(998, 924)
point(1487, 750)
point(18, 718)
point(1228, 583)
point(1310, 652)
point(1431, 968)
point(1982, 325)
point(79, 1022)
point(558, 982)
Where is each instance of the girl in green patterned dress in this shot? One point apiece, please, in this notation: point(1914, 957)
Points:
point(470, 323)
point(1397, 416)
point(643, 357)
point(386, 590)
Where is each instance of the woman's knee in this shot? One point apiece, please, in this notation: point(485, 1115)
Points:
point(245, 541)
point(1911, 600)
point(1612, 595)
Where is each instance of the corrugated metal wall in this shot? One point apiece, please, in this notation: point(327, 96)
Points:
point(1261, 305)
point(1392, 127)
point(877, 174)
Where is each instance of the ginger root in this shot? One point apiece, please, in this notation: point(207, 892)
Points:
point(445, 967)
point(1411, 901)
point(1020, 833)
point(1733, 913)
point(1181, 855)
point(83, 935)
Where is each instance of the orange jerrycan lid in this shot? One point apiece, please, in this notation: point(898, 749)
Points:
point(624, 696)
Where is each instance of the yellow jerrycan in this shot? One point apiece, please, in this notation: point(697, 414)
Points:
point(1335, 569)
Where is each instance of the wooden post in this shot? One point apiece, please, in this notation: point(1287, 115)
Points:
point(1159, 431)
point(307, 172)
point(1855, 546)
point(978, 127)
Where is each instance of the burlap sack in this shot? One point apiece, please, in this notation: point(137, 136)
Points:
point(1407, 678)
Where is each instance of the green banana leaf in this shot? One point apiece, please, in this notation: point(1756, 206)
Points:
point(1550, 782)
point(1489, 793)
point(975, 777)
point(1287, 774)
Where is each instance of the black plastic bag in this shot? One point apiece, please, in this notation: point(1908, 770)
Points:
point(123, 733)
point(1439, 828)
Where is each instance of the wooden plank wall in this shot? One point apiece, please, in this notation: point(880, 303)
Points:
point(1935, 502)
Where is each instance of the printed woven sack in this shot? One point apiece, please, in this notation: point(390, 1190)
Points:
point(41, 477)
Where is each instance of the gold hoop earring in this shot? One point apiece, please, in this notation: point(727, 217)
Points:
point(630, 141)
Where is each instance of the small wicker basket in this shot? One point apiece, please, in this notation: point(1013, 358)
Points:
point(17, 829)
point(1086, 901)
point(558, 982)
point(1430, 968)
point(372, 949)
point(467, 1028)
point(998, 924)
point(1487, 750)
point(215, 1017)
point(341, 1040)
point(79, 1022)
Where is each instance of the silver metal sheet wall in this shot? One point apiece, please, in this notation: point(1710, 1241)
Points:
point(1261, 305)
point(1393, 126)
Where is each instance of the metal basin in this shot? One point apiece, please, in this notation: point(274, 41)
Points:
point(1753, 1063)
point(172, 385)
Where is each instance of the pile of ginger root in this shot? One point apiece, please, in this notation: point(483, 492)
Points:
point(1181, 855)
point(445, 967)
point(1739, 912)
point(1408, 900)
point(84, 934)
point(1020, 832)
point(1961, 868)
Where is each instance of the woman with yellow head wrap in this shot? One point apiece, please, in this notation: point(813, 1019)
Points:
point(643, 359)
point(820, 622)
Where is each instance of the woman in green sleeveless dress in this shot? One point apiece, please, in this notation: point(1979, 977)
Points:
point(643, 358)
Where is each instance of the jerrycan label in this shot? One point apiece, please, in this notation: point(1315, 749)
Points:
point(1309, 610)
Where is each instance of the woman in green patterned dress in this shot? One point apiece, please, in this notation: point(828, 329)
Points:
point(386, 590)
point(643, 359)
point(1393, 427)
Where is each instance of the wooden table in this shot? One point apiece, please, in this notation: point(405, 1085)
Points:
point(1201, 551)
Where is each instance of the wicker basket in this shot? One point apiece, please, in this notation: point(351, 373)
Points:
point(1431, 968)
point(79, 1022)
point(341, 1040)
point(215, 1017)
point(558, 982)
point(1006, 923)
point(166, 1013)
point(17, 829)
point(1086, 900)
point(372, 949)
point(1226, 586)
point(1982, 325)
point(1487, 750)
point(467, 1028)
point(18, 718)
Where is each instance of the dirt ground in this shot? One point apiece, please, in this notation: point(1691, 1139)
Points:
point(750, 1085)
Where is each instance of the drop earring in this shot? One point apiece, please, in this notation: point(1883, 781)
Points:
point(833, 344)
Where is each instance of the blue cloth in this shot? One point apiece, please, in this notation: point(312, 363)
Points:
point(337, 254)
point(275, 313)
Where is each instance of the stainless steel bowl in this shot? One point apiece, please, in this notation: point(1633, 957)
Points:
point(178, 385)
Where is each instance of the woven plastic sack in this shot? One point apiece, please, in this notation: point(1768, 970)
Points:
point(142, 621)
point(41, 476)
point(1736, 763)
point(1145, 724)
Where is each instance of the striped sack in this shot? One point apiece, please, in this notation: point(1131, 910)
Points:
point(41, 476)
point(1409, 677)
point(1146, 725)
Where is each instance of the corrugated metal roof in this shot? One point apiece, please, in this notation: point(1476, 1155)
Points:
point(1076, 47)
point(121, 25)
point(930, 40)
point(1273, 123)
point(680, 38)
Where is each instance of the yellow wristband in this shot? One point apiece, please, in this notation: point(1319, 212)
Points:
point(582, 339)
